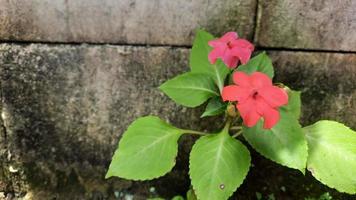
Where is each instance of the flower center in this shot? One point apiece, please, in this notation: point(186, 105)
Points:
point(229, 45)
point(254, 94)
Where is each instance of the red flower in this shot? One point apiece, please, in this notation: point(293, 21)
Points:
point(230, 49)
point(256, 97)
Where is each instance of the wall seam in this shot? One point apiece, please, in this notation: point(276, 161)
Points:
point(257, 18)
point(170, 46)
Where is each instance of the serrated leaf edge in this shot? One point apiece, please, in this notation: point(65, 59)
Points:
point(163, 86)
point(244, 177)
point(152, 177)
point(258, 151)
point(314, 174)
point(263, 53)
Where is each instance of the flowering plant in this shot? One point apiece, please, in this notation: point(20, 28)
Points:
point(265, 115)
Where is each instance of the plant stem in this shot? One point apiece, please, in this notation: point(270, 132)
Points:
point(235, 127)
point(237, 133)
point(193, 132)
point(227, 125)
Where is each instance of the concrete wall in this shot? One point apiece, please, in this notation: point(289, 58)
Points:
point(75, 73)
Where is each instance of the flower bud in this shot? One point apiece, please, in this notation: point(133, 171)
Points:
point(231, 111)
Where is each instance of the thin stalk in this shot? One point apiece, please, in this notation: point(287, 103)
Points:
point(235, 127)
point(227, 125)
point(237, 133)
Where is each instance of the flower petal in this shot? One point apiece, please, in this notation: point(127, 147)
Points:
point(274, 96)
point(216, 43)
point(236, 93)
point(242, 43)
point(229, 37)
point(248, 112)
point(230, 93)
point(241, 79)
point(216, 53)
point(243, 54)
point(271, 118)
point(259, 80)
point(230, 60)
point(270, 115)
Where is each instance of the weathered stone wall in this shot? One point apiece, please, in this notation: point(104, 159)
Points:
point(307, 24)
point(64, 104)
point(122, 21)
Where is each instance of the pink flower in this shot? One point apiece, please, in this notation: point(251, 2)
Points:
point(256, 98)
point(230, 49)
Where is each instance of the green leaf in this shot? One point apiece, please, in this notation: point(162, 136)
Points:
point(218, 165)
point(146, 150)
point(177, 198)
point(332, 155)
point(260, 63)
point(191, 195)
point(190, 89)
point(199, 62)
point(155, 198)
point(285, 143)
point(199, 54)
point(294, 103)
point(214, 107)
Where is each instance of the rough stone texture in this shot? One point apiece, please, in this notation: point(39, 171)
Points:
point(122, 21)
point(305, 24)
point(327, 82)
point(64, 108)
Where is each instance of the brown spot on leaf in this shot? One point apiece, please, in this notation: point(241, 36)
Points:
point(222, 186)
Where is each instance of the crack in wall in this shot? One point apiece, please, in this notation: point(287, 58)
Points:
point(93, 44)
point(303, 50)
point(257, 47)
point(256, 19)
